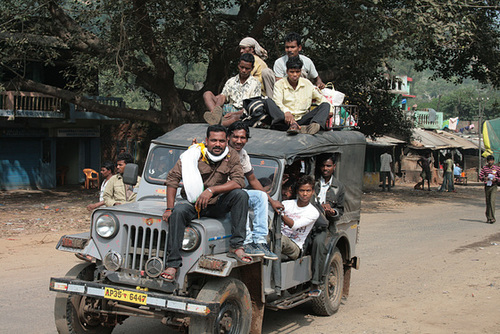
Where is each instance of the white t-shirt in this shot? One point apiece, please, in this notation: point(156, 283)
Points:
point(308, 68)
point(101, 192)
point(385, 162)
point(303, 221)
point(245, 161)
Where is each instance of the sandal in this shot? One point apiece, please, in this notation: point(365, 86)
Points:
point(169, 274)
point(240, 255)
point(293, 129)
point(213, 117)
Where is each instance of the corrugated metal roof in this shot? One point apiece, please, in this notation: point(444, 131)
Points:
point(424, 139)
point(383, 141)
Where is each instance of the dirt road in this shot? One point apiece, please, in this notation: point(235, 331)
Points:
point(429, 264)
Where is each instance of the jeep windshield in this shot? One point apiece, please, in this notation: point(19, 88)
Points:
point(162, 159)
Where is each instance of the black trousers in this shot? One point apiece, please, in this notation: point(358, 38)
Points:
point(317, 115)
point(235, 201)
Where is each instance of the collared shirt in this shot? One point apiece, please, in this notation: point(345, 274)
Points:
point(308, 68)
point(298, 100)
point(118, 192)
point(323, 189)
point(212, 174)
point(235, 91)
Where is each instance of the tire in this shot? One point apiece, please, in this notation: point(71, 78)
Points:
point(329, 300)
point(68, 319)
point(235, 315)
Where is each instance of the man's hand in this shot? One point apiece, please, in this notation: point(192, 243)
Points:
point(166, 215)
point(202, 201)
point(319, 83)
point(91, 207)
point(276, 205)
point(329, 210)
point(289, 118)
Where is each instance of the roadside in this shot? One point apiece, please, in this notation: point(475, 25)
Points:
point(27, 212)
point(429, 264)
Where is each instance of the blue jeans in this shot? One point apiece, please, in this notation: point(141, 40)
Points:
point(257, 201)
point(447, 182)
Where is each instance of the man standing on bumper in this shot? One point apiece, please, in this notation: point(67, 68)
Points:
point(222, 177)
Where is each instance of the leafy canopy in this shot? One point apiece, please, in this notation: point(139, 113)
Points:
point(170, 52)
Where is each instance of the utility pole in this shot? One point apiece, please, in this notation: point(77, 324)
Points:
point(479, 132)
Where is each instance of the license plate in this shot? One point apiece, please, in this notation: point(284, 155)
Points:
point(125, 295)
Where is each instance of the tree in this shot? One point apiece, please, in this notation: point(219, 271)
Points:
point(139, 41)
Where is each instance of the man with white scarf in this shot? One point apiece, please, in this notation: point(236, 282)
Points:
point(260, 70)
point(213, 188)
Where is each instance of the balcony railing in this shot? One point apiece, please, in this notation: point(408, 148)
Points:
point(422, 120)
point(13, 100)
point(343, 116)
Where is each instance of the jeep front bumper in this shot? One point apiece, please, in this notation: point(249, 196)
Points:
point(155, 300)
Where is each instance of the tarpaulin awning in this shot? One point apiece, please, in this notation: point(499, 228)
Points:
point(491, 132)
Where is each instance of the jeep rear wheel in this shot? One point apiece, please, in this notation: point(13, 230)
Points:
point(235, 314)
point(329, 300)
point(70, 310)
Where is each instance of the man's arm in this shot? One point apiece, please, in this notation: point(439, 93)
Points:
point(171, 192)
point(279, 69)
point(319, 83)
point(93, 206)
point(255, 184)
point(305, 220)
point(208, 193)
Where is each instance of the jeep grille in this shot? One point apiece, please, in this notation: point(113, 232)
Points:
point(143, 243)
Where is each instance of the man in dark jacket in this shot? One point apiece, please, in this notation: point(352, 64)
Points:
point(330, 194)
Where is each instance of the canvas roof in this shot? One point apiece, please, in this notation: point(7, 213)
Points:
point(271, 143)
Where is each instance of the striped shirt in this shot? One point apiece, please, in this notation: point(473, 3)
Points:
point(487, 170)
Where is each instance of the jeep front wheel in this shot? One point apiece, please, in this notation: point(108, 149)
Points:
point(70, 311)
point(235, 314)
point(328, 301)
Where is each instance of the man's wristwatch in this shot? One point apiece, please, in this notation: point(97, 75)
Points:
point(169, 209)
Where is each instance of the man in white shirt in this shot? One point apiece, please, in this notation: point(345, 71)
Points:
point(298, 218)
point(385, 170)
point(107, 169)
point(227, 107)
point(256, 238)
point(293, 45)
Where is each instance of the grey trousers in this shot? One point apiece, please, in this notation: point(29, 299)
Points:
point(289, 248)
point(491, 193)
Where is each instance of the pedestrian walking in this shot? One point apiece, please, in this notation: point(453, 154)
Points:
point(490, 175)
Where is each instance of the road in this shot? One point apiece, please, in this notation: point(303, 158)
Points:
point(425, 268)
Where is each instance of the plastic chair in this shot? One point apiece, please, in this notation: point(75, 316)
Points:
point(91, 176)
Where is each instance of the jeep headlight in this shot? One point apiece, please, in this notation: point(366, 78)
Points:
point(106, 226)
point(191, 239)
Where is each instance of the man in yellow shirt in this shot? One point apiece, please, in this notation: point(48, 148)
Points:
point(294, 96)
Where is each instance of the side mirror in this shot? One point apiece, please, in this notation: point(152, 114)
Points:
point(130, 174)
